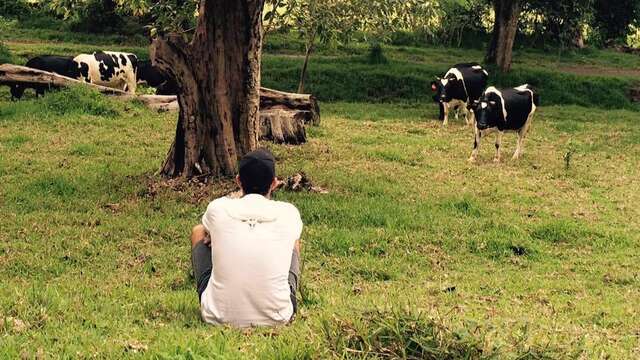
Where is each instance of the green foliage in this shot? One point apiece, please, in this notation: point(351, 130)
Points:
point(376, 55)
point(462, 24)
point(15, 8)
point(563, 88)
point(354, 79)
point(78, 100)
point(173, 16)
point(552, 22)
point(612, 19)
point(5, 54)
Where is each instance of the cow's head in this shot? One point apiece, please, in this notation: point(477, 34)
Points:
point(149, 74)
point(486, 113)
point(447, 89)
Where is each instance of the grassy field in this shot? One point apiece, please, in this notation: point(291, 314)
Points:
point(413, 250)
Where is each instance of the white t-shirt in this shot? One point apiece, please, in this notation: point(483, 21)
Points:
point(252, 239)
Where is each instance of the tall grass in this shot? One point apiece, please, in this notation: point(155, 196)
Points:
point(5, 54)
point(356, 78)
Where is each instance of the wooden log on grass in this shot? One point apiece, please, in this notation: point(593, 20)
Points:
point(282, 115)
point(21, 75)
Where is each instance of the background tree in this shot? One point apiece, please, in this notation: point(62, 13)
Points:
point(559, 22)
point(462, 22)
point(500, 51)
point(613, 19)
point(323, 21)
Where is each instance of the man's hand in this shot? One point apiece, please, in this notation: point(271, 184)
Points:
point(207, 240)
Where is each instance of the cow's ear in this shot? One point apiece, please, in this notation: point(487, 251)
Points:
point(434, 86)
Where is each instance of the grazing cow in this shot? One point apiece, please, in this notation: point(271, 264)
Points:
point(61, 65)
point(461, 86)
point(149, 74)
point(107, 68)
point(504, 110)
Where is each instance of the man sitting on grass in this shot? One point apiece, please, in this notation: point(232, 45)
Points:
point(245, 254)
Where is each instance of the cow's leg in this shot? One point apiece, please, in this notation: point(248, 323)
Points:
point(498, 144)
point(445, 107)
point(457, 110)
point(467, 115)
point(131, 86)
point(441, 115)
point(522, 133)
point(476, 145)
point(16, 92)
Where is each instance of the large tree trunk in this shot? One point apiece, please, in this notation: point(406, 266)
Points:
point(507, 13)
point(218, 76)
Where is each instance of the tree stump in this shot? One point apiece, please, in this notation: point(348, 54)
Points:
point(283, 126)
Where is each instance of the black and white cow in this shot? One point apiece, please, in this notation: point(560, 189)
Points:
point(108, 68)
point(61, 65)
point(152, 76)
point(503, 110)
point(460, 86)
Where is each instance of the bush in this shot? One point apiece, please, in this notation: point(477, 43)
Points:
point(376, 55)
point(354, 79)
point(14, 8)
point(80, 100)
point(5, 54)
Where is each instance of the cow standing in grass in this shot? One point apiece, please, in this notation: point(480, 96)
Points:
point(108, 68)
point(461, 86)
point(503, 110)
point(152, 76)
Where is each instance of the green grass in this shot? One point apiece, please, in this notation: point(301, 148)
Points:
point(414, 252)
point(590, 78)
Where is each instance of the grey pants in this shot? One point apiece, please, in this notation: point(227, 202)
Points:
point(201, 262)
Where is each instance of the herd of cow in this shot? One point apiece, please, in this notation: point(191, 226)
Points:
point(462, 89)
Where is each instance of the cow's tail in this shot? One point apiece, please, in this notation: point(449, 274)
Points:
point(536, 98)
point(534, 93)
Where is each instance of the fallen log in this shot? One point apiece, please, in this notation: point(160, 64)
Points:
point(274, 99)
point(21, 75)
point(282, 115)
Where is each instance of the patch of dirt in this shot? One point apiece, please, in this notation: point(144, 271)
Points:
point(600, 71)
point(196, 190)
point(202, 189)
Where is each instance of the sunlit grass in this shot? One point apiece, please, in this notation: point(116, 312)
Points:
point(529, 256)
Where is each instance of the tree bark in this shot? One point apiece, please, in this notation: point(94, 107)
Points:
point(283, 126)
point(500, 51)
point(218, 76)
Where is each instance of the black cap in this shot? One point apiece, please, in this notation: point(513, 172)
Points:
point(257, 170)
